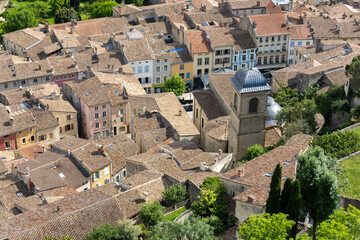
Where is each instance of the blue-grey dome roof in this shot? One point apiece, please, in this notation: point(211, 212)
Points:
point(249, 80)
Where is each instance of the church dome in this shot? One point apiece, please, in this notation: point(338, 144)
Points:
point(249, 80)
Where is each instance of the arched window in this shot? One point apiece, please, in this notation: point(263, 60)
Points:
point(253, 105)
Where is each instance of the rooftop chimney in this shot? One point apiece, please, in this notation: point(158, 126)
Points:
point(254, 25)
point(11, 121)
point(180, 112)
point(101, 149)
point(257, 3)
point(241, 172)
point(146, 195)
point(220, 152)
point(58, 208)
point(68, 153)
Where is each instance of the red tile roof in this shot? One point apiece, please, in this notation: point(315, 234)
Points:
point(197, 40)
point(300, 32)
point(255, 172)
point(270, 24)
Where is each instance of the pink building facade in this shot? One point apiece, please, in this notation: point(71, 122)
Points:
point(61, 79)
point(8, 142)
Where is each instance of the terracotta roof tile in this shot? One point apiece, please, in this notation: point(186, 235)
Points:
point(209, 104)
point(270, 24)
point(198, 41)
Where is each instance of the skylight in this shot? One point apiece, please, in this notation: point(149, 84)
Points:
point(87, 93)
point(268, 175)
point(116, 92)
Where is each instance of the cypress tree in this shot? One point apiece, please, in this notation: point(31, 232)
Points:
point(285, 195)
point(273, 201)
point(293, 207)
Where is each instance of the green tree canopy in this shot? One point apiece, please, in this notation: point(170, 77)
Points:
point(253, 152)
point(39, 8)
point(265, 226)
point(102, 9)
point(193, 229)
point(273, 201)
point(128, 231)
point(214, 184)
point(64, 15)
point(338, 144)
point(293, 206)
point(174, 194)
point(58, 4)
point(174, 84)
point(342, 225)
point(16, 20)
point(318, 185)
point(306, 110)
point(285, 195)
point(104, 232)
point(151, 213)
point(352, 70)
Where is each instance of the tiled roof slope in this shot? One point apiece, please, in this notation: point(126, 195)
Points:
point(270, 24)
point(253, 172)
point(209, 104)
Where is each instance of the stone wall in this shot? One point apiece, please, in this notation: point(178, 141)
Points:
point(193, 190)
point(345, 201)
point(350, 127)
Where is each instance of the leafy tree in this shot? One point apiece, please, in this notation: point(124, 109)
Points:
point(128, 231)
point(342, 225)
point(318, 185)
point(285, 195)
point(102, 9)
point(205, 205)
point(64, 15)
point(298, 127)
point(253, 152)
point(75, 4)
point(174, 194)
point(16, 20)
point(265, 226)
point(58, 4)
point(338, 144)
point(287, 96)
point(39, 8)
point(104, 232)
point(151, 213)
point(193, 229)
point(213, 183)
point(174, 84)
point(306, 110)
point(352, 70)
point(293, 206)
point(273, 201)
point(216, 223)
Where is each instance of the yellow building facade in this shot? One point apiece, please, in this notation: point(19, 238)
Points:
point(26, 137)
point(101, 177)
point(185, 71)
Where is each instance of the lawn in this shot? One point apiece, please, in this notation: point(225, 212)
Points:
point(352, 174)
point(357, 130)
point(172, 216)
